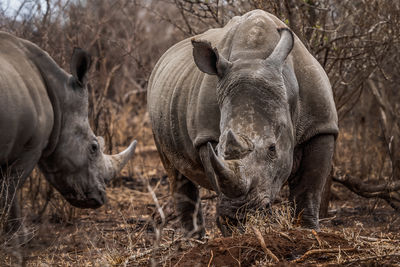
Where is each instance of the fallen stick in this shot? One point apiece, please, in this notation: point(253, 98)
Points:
point(319, 251)
point(371, 258)
point(209, 197)
point(161, 247)
point(375, 239)
point(317, 237)
point(262, 243)
point(284, 235)
point(211, 258)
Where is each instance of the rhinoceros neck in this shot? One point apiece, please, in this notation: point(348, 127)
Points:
point(54, 78)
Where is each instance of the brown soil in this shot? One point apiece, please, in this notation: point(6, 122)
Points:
point(124, 231)
point(246, 249)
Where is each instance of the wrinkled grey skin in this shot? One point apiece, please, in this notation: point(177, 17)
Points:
point(44, 121)
point(241, 110)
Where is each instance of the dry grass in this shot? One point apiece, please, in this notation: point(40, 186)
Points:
point(124, 232)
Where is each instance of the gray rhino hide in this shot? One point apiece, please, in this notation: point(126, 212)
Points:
point(182, 101)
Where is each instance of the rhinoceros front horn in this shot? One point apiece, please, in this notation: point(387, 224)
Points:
point(228, 181)
point(117, 162)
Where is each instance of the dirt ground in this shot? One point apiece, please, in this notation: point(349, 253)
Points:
point(129, 231)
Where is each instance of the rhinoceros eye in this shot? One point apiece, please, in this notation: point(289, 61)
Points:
point(272, 151)
point(272, 148)
point(94, 147)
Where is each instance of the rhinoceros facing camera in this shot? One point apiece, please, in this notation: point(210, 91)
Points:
point(241, 110)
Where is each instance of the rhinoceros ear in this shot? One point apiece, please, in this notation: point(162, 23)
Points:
point(208, 60)
point(80, 65)
point(284, 46)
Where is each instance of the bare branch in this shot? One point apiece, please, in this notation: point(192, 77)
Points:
point(388, 192)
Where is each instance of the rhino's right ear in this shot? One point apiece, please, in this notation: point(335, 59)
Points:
point(80, 65)
point(208, 60)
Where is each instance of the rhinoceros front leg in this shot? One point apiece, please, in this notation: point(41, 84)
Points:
point(11, 213)
point(12, 178)
point(307, 185)
point(188, 205)
point(186, 198)
point(14, 232)
point(12, 210)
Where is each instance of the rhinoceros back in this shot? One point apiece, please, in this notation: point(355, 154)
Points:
point(26, 114)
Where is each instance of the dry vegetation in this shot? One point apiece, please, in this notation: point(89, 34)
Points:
point(357, 42)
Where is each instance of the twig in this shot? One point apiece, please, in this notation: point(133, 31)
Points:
point(319, 251)
point(262, 243)
point(211, 258)
point(369, 190)
point(327, 219)
point(157, 230)
point(209, 197)
point(387, 191)
point(317, 237)
point(375, 257)
point(286, 236)
point(145, 253)
point(154, 249)
point(197, 241)
point(374, 239)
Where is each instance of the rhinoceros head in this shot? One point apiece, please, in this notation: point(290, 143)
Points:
point(76, 166)
point(255, 151)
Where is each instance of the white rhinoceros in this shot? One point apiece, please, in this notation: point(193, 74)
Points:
point(44, 121)
point(241, 110)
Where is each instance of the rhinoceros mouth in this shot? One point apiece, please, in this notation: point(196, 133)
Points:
point(91, 203)
point(91, 200)
point(239, 209)
point(233, 214)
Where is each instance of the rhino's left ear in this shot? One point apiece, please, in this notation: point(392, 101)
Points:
point(208, 60)
point(284, 46)
point(80, 65)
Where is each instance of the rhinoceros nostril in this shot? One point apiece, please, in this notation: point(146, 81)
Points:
point(93, 199)
point(266, 204)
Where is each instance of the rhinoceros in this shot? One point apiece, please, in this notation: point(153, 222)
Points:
point(44, 122)
point(241, 110)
